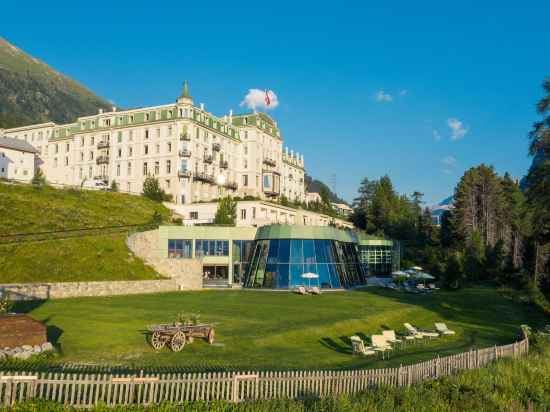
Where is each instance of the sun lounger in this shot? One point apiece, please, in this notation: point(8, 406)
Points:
point(418, 333)
point(314, 290)
point(443, 329)
point(379, 344)
point(390, 337)
point(301, 290)
point(359, 347)
point(432, 286)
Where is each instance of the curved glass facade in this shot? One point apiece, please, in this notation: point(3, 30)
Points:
point(281, 264)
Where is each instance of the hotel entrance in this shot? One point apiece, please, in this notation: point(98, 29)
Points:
point(215, 275)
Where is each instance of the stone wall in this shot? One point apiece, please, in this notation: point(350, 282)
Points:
point(186, 272)
point(36, 291)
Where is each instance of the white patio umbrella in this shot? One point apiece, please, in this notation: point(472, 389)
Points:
point(423, 276)
point(309, 276)
point(417, 268)
point(399, 273)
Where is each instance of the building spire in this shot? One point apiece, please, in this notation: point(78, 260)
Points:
point(185, 89)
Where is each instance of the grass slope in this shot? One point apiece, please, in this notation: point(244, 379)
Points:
point(275, 330)
point(25, 209)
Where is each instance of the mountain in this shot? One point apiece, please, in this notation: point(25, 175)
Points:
point(314, 185)
point(33, 92)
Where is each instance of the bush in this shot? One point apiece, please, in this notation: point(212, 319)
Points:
point(227, 212)
point(114, 186)
point(39, 180)
point(152, 190)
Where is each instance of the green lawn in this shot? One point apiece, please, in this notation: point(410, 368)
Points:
point(25, 209)
point(277, 330)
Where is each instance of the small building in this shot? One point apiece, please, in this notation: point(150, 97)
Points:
point(342, 209)
point(382, 256)
point(17, 159)
point(313, 197)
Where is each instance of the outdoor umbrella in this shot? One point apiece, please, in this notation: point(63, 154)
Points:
point(400, 273)
point(417, 268)
point(309, 276)
point(423, 276)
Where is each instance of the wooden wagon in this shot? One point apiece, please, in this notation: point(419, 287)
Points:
point(176, 335)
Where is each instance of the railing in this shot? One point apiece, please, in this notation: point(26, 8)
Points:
point(184, 137)
point(185, 153)
point(203, 177)
point(208, 159)
point(102, 160)
point(231, 185)
point(84, 390)
point(102, 144)
point(184, 173)
point(216, 147)
point(270, 162)
point(224, 164)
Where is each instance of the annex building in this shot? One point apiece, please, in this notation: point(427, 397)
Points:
point(195, 155)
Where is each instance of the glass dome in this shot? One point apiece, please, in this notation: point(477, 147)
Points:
point(288, 263)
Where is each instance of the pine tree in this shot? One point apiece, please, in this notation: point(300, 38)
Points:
point(152, 190)
point(227, 212)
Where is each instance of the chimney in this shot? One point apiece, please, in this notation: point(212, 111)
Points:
point(202, 106)
point(100, 111)
point(114, 108)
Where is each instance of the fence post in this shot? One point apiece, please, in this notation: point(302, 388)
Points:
point(496, 353)
point(235, 395)
point(399, 375)
point(437, 367)
point(7, 393)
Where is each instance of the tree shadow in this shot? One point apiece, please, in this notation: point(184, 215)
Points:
point(335, 346)
point(26, 306)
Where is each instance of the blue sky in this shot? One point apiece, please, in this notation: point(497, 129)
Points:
point(417, 90)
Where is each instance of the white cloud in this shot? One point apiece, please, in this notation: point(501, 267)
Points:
point(449, 161)
point(382, 96)
point(457, 128)
point(255, 99)
point(436, 135)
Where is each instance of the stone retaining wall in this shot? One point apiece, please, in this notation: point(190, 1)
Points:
point(38, 291)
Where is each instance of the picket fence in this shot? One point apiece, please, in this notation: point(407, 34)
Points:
point(86, 390)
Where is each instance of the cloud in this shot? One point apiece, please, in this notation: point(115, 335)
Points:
point(255, 99)
point(449, 162)
point(436, 135)
point(382, 96)
point(457, 128)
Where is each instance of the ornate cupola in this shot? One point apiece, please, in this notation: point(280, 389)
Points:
point(185, 97)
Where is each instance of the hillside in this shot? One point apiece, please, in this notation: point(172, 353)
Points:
point(33, 92)
point(101, 256)
point(314, 185)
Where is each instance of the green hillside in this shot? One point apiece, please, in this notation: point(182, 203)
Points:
point(33, 92)
point(101, 256)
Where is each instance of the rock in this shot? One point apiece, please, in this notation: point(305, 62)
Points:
point(23, 355)
point(37, 349)
point(26, 348)
point(47, 347)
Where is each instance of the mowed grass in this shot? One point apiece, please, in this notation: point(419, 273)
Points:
point(25, 209)
point(277, 330)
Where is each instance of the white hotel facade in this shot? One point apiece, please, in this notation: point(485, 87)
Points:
point(195, 155)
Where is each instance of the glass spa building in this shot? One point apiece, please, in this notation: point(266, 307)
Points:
point(278, 256)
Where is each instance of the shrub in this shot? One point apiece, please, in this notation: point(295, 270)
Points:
point(114, 186)
point(39, 180)
point(152, 190)
point(227, 212)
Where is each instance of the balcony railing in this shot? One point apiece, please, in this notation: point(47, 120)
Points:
point(231, 185)
point(102, 177)
point(184, 173)
point(216, 147)
point(103, 144)
point(224, 164)
point(208, 159)
point(101, 160)
point(270, 162)
point(185, 153)
point(184, 137)
point(203, 177)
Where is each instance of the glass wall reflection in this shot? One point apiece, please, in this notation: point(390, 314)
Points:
point(284, 263)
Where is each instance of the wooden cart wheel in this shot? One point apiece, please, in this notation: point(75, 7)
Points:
point(211, 336)
point(156, 341)
point(178, 341)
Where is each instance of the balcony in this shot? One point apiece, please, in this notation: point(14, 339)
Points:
point(208, 159)
point(105, 178)
point(216, 147)
point(184, 137)
point(231, 185)
point(203, 177)
point(102, 160)
point(185, 153)
point(184, 173)
point(224, 164)
point(103, 144)
point(270, 162)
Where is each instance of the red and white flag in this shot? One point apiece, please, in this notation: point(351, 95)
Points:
point(267, 99)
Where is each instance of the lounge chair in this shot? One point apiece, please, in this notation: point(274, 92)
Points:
point(301, 290)
point(314, 290)
point(359, 347)
point(390, 337)
point(419, 334)
point(380, 344)
point(433, 287)
point(443, 329)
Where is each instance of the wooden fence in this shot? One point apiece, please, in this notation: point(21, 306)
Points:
point(86, 390)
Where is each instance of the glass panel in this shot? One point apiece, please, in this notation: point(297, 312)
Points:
point(284, 251)
point(296, 254)
point(248, 248)
point(324, 276)
point(309, 251)
point(273, 251)
point(334, 277)
point(296, 272)
point(270, 277)
point(283, 277)
point(311, 268)
point(237, 250)
point(225, 248)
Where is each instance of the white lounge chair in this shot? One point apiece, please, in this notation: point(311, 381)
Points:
point(443, 329)
point(314, 290)
point(419, 334)
point(301, 290)
point(379, 344)
point(359, 347)
point(433, 287)
point(390, 337)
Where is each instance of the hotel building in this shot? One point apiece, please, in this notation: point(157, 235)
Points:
point(195, 155)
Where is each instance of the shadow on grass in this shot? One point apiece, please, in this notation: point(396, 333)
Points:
point(335, 346)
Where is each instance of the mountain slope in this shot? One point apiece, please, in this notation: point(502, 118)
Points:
point(33, 92)
point(315, 185)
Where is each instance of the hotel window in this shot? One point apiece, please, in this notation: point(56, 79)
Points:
point(66, 161)
point(119, 137)
point(55, 162)
point(129, 171)
point(169, 114)
point(157, 168)
point(67, 147)
point(158, 133)
point(144, 168)
point(158, 148)
point(130, 151)
point(168, 166)
point(107, 122)
point(169, 130)
point(211, 248)
point(180, 248)
point(81, 156)
point(92, 140)
point(118, 170)
point(91, 157)
point(132, 119)
point(194, 215)
point(80, 173)
point(130, 135)
point(145, 149)
point(245, 164)
point(56, 148)
point(245, 180)
point(90, 170)
point(243, 214)
point(146, 117)
point(167, 183)
point(147, 133)
point(169, 147)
